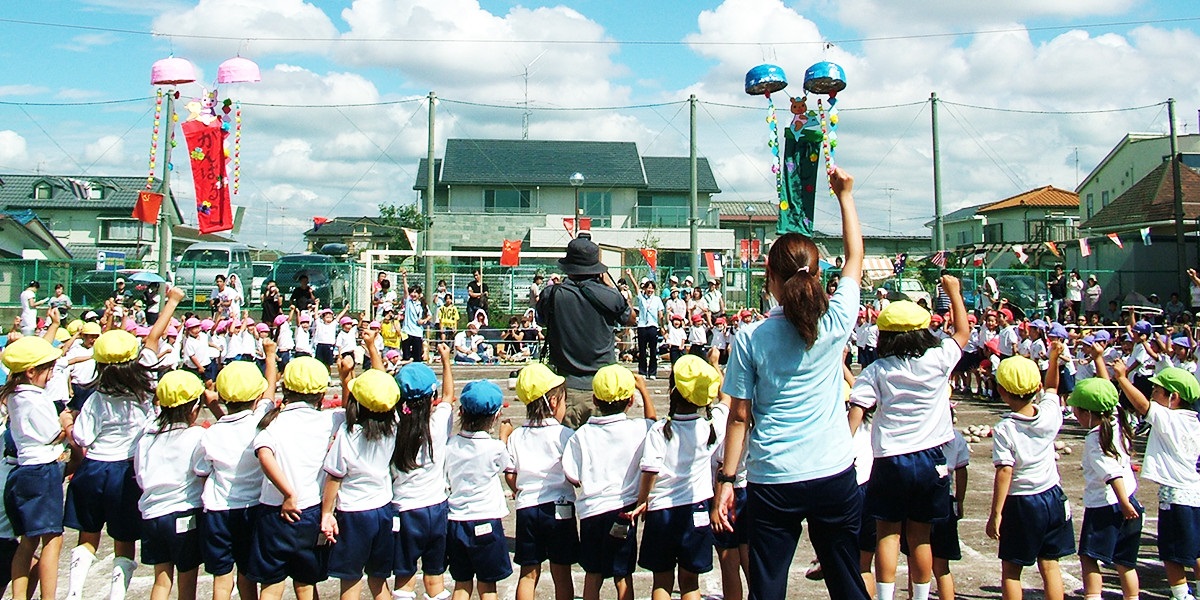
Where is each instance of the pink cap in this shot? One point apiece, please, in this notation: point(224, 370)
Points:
point(223, 326)
point(248, 322)
point(305, 319)
point(390, 354)
point(345, 320)
point(190, 323)
point(131, 326)
point(326, 311)
point(141, 331)
point(374, 325)
point(262, 327)
point(280, 320)
point(206, 324)
point(175, 322)
point(172, 331)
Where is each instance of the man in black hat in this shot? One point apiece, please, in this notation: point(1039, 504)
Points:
point(579, 315)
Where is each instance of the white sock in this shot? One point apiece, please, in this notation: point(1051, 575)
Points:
point(1180, 591)
point(403, 595)
point(443, 595)
point(81, 561)
point(122, 573)
point(885, 591)
point(921, 591)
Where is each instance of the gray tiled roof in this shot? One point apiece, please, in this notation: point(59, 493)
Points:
point(673, 174)
point(541, 162)
point(17, 191)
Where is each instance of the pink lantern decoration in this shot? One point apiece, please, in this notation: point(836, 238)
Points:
point(238, 70)
point(172, 71)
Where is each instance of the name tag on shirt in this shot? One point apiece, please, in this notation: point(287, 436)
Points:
point(185, 524)
point(395, 524)
point(1067, 509)
point(942, 470)
point(564, 511)
point(483, 529)
point(700, 519)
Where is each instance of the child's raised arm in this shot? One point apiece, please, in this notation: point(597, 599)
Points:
point(842, 185)
point(958, 310)
point(1051, 383)
point(447, 373)
point(1135, 397)
point(647, 400)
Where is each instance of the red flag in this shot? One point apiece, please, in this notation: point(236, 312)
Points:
point(585, 224)
point(318, 222)
point(510, 254)
point(1053, 248)
point(569, 225)
point(651, 257)
point(206, 149)
point(1116, 239)
point(147, 207)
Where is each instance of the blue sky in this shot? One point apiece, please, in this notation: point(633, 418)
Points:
point(346, 161)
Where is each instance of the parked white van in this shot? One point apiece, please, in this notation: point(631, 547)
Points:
point(200, 264)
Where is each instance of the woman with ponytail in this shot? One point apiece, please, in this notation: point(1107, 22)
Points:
point(785, 373)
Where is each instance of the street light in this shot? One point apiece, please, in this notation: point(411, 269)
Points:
point(576, 182)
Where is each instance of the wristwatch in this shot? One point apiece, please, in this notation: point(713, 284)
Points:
point(723, 478)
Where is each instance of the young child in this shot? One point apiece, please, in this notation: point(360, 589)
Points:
point(285, 339)
point(359, 485)
point(104, 489)
point(345, 344)
point(1112, 517)
point(545, 501)
point(943, 535)
point(447, 318)
point(733, 547)
point(1030, 514)
point(419, 477)
point(909, 386)
point(196, 357)
point(82, 365)
point(170, 501)
point(324, 335)
point(233, 476)
point(1170, 461)
point(697, 337)
point(601, 460)
point(676, 487)
point(476, 550)
point(33, 496)
point(291, 446)
point(303, 334)
point(676, 337)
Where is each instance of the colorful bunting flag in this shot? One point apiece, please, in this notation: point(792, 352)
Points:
point(1084, 249)
point(977, 260)
point(1145, 235)
point(318, 222)
point(1116, 239)
point(411, 234)
point(81, 189)
point(650, 255)
point(939, 258)
point(1020, 252)
point(1053, 249)
point(510, 253)
point(715, 268)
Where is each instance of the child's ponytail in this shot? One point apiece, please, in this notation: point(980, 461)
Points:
point(793, 265)
point(412, 434)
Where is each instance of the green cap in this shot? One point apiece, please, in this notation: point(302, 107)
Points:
point(1178, 381)
point(1095, 394)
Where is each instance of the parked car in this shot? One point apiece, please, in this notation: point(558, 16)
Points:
point(1023, 292)
point(96, 286)
point(908, 287)
point(326, 277)
point(262, 272)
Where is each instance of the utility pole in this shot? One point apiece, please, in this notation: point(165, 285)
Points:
point(939, 238)
point(694, 206)
point(1177, 188)
point(427, 235)
point(164, 213)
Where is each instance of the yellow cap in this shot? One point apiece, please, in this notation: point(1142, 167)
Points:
point(240, 381)
point(177, 388)
point(535, 380)
point(115, 346)
point(375, 390)
point(696, 380)
point(306, 375)
point(61, 335)
point(613, 383)
point(903, 315)
point(91, 328)
point(27, 353)
point(1018, 375)
point(74, 326)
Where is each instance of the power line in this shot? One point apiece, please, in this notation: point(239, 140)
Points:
point(601, 42)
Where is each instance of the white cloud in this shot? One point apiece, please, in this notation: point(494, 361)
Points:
point(90, 41)
point(12, 148)
point(22, 89)
point(246, 19)
point(108, 151)
point(879, 16)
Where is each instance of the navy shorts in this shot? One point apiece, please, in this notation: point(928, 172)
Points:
point(227, 537)
point(105, 492)
point(677, 536)
point(1066, 381)
point(33, 499)
point(365, 543)
point(943, 540)
point(1107, 536)
point(282, 550)
point(1036, 526)
point(173, 539)
point(422, 536)
point(728, 540)
point(80, 394)
point(866, 527)
point(547, 532)
point(909, 487)
point(477, 550)
point(1178, 534)
point(603, 554)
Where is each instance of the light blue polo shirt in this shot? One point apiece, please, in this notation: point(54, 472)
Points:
point(649, 310)
point(796, 393)
point(412, 314)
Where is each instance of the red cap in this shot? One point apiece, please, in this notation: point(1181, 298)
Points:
point(935, 318)
point(697, 319)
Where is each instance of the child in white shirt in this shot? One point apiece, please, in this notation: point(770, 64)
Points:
point(304, 344)
point(697, 337)
point(676, 337)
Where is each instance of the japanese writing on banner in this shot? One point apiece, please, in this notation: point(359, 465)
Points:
point(206, 150)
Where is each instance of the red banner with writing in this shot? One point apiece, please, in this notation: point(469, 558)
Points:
point(206, 150)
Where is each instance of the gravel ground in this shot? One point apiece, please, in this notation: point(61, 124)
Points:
point(976, 576)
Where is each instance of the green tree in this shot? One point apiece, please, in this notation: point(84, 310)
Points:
point(398, 218)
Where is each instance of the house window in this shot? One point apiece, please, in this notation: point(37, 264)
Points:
point(964, 237)
point(1090, 210)
point(122, 230)
point(42, 191)
point(661, 211)
point(506, 201)
point(1103, 198)
point(598, 206)
point(993, 234)
point(1051, 230)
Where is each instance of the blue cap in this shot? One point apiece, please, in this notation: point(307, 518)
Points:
point(1103, 335)
point(1058, 331)
point(1182, 342)
point(481, 397)
point(416, 381)
point(1143, 327)
point(1089, 339)
point(1040, 324)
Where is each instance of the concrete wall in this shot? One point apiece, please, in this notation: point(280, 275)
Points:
point(1136, 267)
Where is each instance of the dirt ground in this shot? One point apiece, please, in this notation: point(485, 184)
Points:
point(977, 576)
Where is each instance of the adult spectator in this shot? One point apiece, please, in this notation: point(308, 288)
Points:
point(1074, 292)
point(1057, 284)
point(785, 377)
point(1173, 308)
point(236, 295)
point(1091, 297)
point(60, 302)
point(271, 302)
point(29, 304)
point(152, 297)
point(416, 317)
point(535, 291)
point(579, 315)
point(302, 295)
point(650, 311)
point(477, 295)
point(384, 298)
point(714, 300)
point(121, 294)
point(941, 300)
point(1194, 289)
point(469, 347)
point(379, 281)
